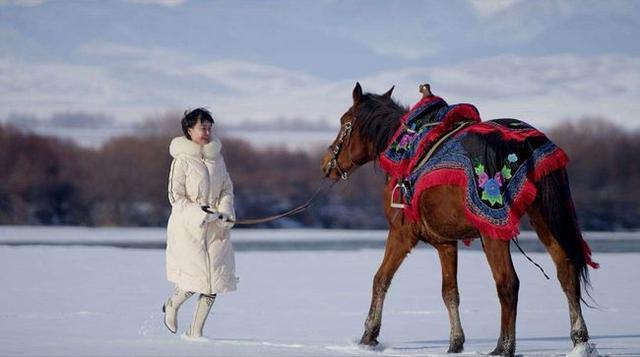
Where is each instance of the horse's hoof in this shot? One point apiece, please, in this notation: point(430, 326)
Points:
point(504, 347)
point(456, 347)
point(501, 352)
point(368, 342)
point(456, 344)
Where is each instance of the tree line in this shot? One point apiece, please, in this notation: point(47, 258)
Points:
point(49, 181)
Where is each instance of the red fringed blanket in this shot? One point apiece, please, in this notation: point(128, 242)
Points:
point(498, 162)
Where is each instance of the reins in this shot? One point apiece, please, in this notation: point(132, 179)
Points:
point(321, 189)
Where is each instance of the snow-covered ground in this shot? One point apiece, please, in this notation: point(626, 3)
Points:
point(97, 301)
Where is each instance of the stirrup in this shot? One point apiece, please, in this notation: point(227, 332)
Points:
point(403, 190)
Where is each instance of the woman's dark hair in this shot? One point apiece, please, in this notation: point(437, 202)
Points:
point(191, 118)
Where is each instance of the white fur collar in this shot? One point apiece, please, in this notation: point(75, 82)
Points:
point(183, 146)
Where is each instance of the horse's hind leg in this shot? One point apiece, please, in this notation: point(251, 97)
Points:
point(448, 253)
point(397, 248)
point(567, 273)
point(507, 284)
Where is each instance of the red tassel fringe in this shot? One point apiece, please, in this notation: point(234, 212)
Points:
point(586, 250)
point(549, 164)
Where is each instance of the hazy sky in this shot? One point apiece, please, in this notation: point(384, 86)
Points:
point(540, 61)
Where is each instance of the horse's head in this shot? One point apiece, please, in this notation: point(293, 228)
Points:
point(365, 130)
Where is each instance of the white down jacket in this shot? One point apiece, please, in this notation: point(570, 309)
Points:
point(199, 255)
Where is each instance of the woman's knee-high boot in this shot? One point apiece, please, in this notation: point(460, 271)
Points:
point(170, 308)
point(201, 314)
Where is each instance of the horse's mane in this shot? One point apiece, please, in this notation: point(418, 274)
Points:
point(377, 119)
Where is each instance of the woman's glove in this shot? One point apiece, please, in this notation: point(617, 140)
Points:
point(227, 221)
point(222, 219)
point(211, 215)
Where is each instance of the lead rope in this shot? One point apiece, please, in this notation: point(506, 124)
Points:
point(515, 240)
point(322, 188)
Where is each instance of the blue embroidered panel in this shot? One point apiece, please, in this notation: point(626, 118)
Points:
point(496, 169)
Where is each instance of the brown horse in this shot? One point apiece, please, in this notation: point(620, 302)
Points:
point(366, 129)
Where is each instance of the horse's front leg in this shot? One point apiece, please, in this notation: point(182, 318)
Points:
point(448, 253)
point(397, 248)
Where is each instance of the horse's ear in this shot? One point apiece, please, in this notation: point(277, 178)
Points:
point(388, 93)
point(357, 93)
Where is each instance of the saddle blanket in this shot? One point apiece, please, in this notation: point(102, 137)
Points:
point(497, 162)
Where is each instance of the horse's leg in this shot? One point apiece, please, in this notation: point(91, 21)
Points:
point(507, 284)
point(397, 248)
point(448, 253)
point(567, 275)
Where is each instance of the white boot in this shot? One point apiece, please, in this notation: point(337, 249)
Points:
point(170, 308)
point(200, 316)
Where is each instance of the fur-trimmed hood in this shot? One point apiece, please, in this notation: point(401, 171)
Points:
point(182, 146)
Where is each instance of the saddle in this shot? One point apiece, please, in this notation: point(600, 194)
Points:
point(427, 125)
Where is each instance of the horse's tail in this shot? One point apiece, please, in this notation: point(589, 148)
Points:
point(557, 209)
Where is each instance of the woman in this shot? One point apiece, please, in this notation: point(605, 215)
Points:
point(199, 255)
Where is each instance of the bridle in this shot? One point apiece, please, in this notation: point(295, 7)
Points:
point(345, 135)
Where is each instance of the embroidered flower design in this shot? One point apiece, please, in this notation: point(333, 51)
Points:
point(405, 142)
point(491, 186)
point(491, 189)
point(482, 179)
point(506, 169)
point(506, 172)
